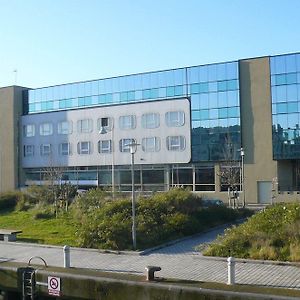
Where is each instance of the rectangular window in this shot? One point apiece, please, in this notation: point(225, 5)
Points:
point(64, 127)
point(29, 130)
point(105, 124)
point(46, 129)
point(85, 126)
point(28, 150)
point(124, 144)
point(45, 149)
point(104, 146)
point(175, 143)
point(84, 148)
point(150, 120)
point(65, 149)
point(127, 122)
point(151, 144)
point(175, 118)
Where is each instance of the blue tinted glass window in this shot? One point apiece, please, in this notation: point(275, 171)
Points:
point(87, 100)
point(204, 114)
point(203, 87)
point(292, 107)
point(291, 78)
point(131, 96)
point(212, 86)
point(204, 101)
point(109, 98)
point(232, 70)
point(44, 105)
point(154, 93)
point(31, 107)
point(195, 102)
point(212, 72)
point(195, 88)
point(282, 120)
point(280, 79)
point(80, 101)
point(213, 113)
point(222, 99)
point(233, 112)
point(223, 113)
point(170, 91)
point(49, 105)
point(213, 100)
point(232, 84)
point(222, 86)
point(196, 115)
point(203, 73)
point(291, 92)
point(293, 120)
point(101, 99)
point(281, 108)
point(233, 98)
point(146, 94)
point(68, 103)
point(123, 97)
point(162, 92)
point(179, 90)
point(193, 74)
point(221, 71)
point(291, 65)
point(281, 93)
point(279, 64)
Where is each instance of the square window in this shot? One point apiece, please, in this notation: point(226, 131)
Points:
point(105, 146)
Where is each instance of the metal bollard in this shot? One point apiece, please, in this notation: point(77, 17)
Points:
point(67, 263)
point(231, 270)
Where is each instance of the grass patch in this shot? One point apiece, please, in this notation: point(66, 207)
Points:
point(60, 231)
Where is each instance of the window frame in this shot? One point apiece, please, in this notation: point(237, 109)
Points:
point(61, 130)
point(43, 131)
point(27, 153)
point(103, 150)
point(43, 151)
point(82, 151)
point(131, 124)
point(154, 122)
point(179, 146)
point(154, 148)
point(123, 144)
point(62, 151)
point(29, 133)
point(178, 122)
point(81, 128)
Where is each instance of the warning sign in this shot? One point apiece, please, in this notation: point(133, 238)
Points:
point(54, 286)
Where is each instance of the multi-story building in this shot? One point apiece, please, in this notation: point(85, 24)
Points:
point(190, 123)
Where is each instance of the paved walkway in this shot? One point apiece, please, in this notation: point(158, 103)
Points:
point(178, 261)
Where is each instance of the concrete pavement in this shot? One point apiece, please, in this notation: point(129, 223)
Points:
point(178, 261)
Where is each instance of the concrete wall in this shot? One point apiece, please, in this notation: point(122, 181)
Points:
point(256, 123)
point(11, 108)
point(115, 112)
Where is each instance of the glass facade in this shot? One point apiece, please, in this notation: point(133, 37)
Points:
point(285, 85)
point(212, 89)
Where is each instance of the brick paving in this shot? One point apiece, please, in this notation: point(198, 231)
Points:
point(178, 261)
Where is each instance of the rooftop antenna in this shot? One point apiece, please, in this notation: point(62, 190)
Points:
point(16, 76)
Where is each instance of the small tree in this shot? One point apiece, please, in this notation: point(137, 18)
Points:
point(230, 172)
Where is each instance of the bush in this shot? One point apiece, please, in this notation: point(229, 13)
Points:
point(10, 200)
point(163, 217)
point(271, 234)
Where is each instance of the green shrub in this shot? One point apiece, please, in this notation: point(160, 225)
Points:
point(270, 234)
point(161, 218)
point(10, 200)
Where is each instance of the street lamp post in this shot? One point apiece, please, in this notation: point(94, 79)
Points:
point(242, 176)
point(133, 148)
point(103, 130)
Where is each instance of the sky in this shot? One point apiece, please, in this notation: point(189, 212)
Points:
point(50, 42)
